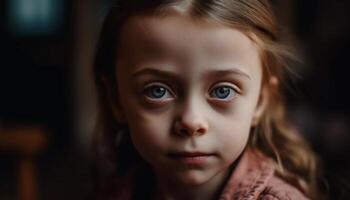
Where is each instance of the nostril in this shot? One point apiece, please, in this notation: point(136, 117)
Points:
point(187, 132)
point(190, 128)
point(201, 131)
point(183, 131)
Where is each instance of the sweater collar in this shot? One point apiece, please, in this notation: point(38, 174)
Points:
point(249, 178)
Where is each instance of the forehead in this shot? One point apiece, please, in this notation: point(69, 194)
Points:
point(177, 36)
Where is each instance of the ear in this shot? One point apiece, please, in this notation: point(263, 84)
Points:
point(264, 99)
point(113, 100)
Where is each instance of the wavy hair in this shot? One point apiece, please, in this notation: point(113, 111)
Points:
point(273, 135)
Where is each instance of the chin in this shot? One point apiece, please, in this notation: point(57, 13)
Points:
point(193, 178)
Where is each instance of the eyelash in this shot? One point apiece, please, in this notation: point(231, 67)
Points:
point(157, 85)
point(233, 92)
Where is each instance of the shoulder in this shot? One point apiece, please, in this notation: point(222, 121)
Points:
point(255, 179)
point(278, 189)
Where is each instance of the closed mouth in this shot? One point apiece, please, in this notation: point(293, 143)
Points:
point(189, 154)
point(191, 158)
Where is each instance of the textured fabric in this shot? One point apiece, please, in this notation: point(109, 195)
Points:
point(253, 179)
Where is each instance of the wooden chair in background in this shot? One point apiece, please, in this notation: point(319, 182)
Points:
point(25, 143)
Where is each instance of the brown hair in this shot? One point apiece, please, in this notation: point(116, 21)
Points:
point(273, 135)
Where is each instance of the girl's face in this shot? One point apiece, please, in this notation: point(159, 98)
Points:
point(188, 91)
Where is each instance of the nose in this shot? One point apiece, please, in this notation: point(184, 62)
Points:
point(191, 122)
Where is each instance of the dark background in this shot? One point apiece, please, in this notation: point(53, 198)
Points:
point(44, 81)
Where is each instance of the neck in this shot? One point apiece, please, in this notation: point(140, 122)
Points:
point(168, 190)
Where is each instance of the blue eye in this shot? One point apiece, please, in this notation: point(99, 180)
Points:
point(223, 92)
point(157, 92)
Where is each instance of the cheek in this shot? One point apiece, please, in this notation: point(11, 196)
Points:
point(233, 137)
point(233, 132)
point(148, 131)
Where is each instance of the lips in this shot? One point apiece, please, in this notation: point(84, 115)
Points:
point(191, 158)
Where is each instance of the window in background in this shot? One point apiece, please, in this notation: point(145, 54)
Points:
point(34, 17)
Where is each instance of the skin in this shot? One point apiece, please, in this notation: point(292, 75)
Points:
point(186, 63)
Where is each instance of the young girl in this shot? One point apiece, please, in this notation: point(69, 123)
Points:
point(190, 104)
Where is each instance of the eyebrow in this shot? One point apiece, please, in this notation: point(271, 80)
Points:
point(170, 74)
point(156, 72)
point(225, 72)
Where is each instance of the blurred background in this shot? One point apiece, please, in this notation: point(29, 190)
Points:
point(47, 102)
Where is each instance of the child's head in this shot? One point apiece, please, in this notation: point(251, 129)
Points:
point(191, 76)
